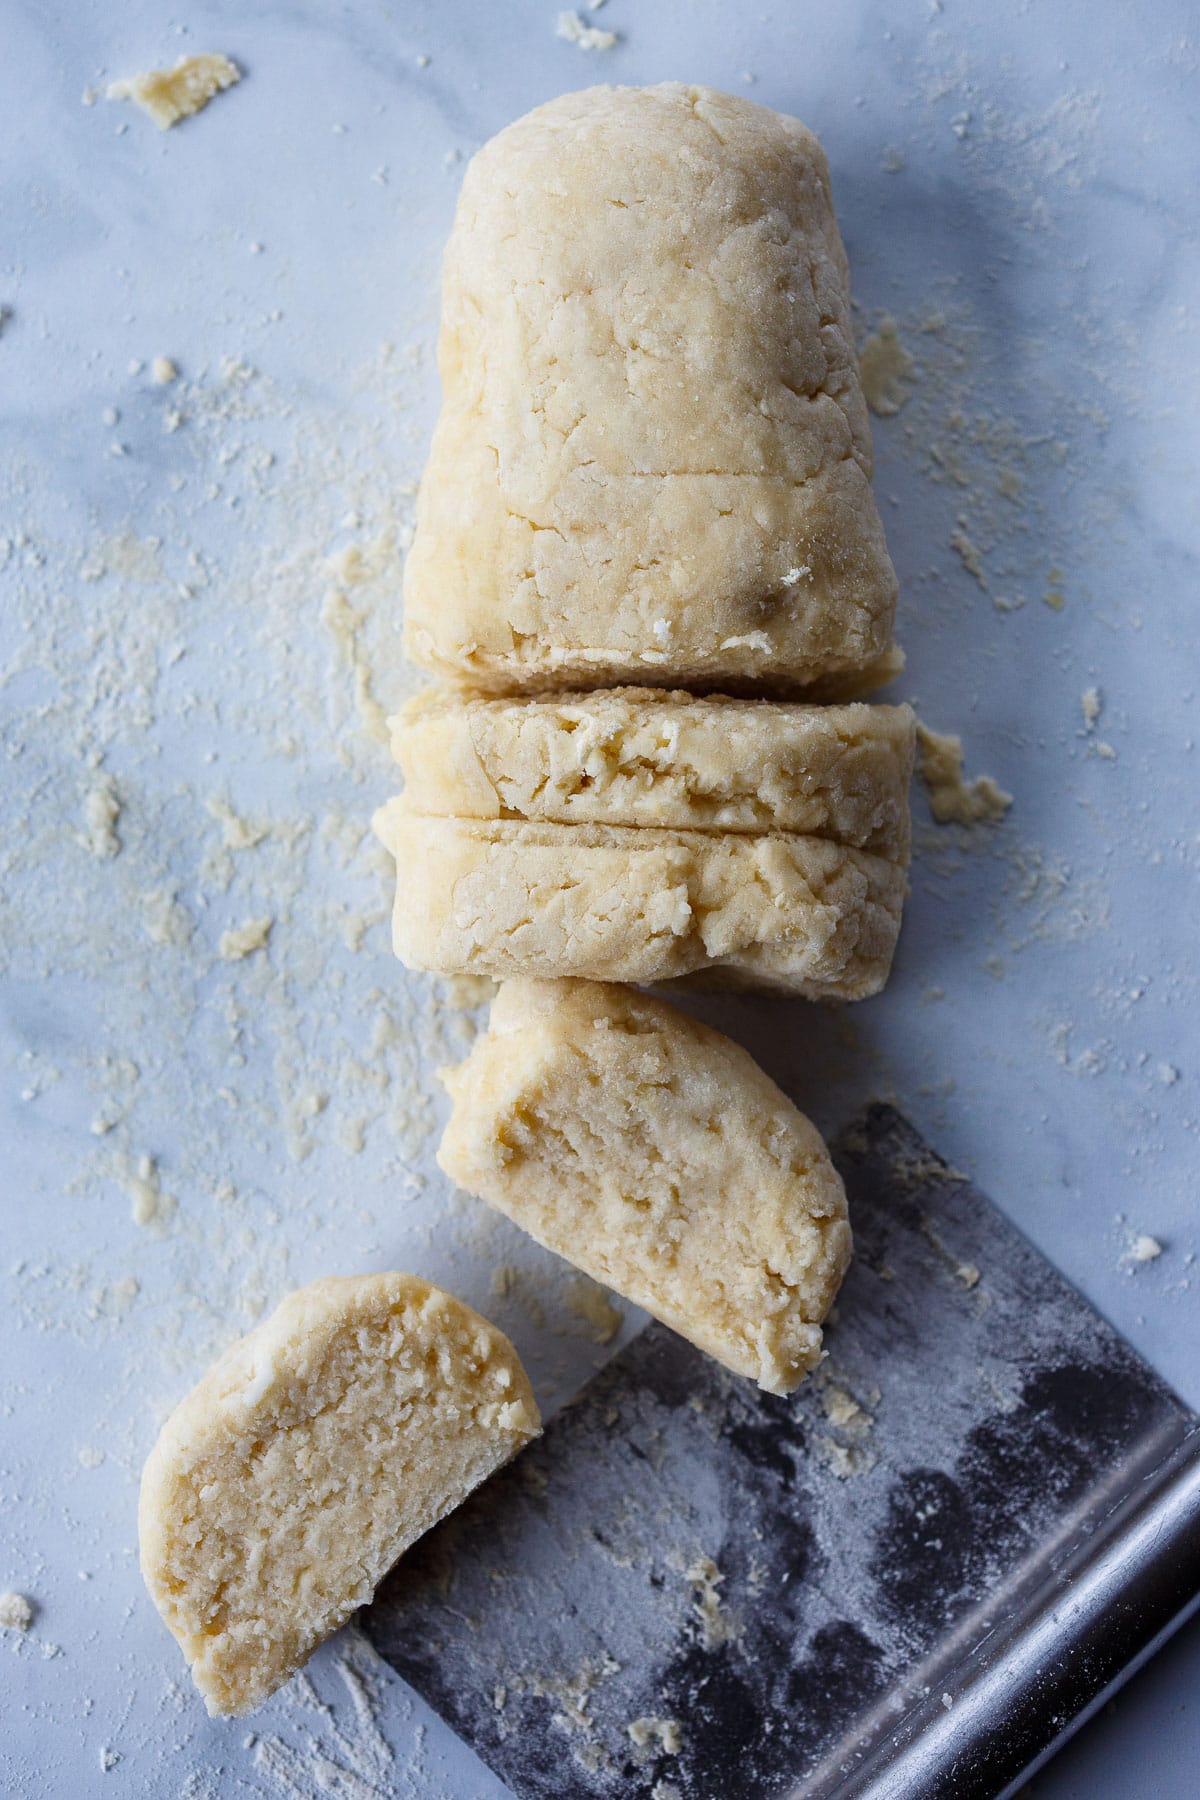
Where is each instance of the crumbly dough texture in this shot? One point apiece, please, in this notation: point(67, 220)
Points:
point(169, 95)
point(658, 1157)
point(639, 756)
point(502, 897)
point(653, 459)
point(311, 1455)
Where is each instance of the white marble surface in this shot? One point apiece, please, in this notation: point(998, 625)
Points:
point(1025, 175)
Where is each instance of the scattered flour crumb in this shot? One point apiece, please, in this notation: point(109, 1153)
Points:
point(667, 1731)
point(952, 800)
point(969, 553)
point(147, 1202)
point(589, 1301)
point(163, 370)
point(1167, 1074)
point(463, 992)
point(16, 1612)
point(236, 833)
point(968, 1274)
point(90, 1458)
point(665, 1790)
point(167, 921)
point(245, 939)
point(169, 95)
point(716, 1627)
point(570, 26)
point(101, 810)
point(884, 367)
point(108, 1759)
point(1092, 703)
point(1145, 1248)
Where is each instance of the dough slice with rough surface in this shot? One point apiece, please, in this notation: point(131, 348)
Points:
point(318, 1448)
point(653, 458)
point(501, 897)
point(658, 1157)
point(639, 756)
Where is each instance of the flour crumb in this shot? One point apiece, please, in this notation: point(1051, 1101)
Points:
point(570, 26)
point(167, 921)
point(969, 554)
point(101, 811)
point(108, 1759)
point(90, 1458)
point(236, 833)
point(147, 1202)
point(465, 992)
point(245, 939)
point(1145, 1248)
point(952, 800)
point(644, 1731)
point(1167, 1074)
point(665, 1790)
point(1092, 704)
point(169, 95)
point(163, 371)
point(968, 1274)
point(16, 1612)
point(884, 368)
point(592, 1303)
point(716, 1627)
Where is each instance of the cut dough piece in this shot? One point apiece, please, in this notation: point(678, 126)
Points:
point(653, 458)
point(311, 1455)
point(638, 756)
point(500, 897)
point(659, 1158)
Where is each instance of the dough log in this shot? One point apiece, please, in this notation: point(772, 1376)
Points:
point(653, 461)
point(785, 913)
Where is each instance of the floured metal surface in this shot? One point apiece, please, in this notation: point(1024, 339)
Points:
point(689, 1587)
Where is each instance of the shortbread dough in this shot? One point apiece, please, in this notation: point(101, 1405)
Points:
point(653, 459)
point(638, 756)
point(502, 897)
point(658, 1157)
point(311, 1455)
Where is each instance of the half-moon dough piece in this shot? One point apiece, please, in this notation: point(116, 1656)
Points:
point(658, 1157)
point(642, 756)
point(315, 1451)
point(779, 913)
point(653, 459)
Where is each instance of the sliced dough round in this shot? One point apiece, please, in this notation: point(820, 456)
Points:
point(653, 458)
point(500, 897)
point(658, 1157)
point(311, 1455)
point(637, 756)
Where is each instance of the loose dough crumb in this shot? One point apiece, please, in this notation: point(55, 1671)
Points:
point(589, 1301)
point(1146, 1248)
point(101, 810)
point(169, 95)
point(952, 800)
point(1092, 703)
point(588, 37)
point(884, 366)
point(16, 1612)
point(163, 370)
point(245, 939)
point(667, 1731)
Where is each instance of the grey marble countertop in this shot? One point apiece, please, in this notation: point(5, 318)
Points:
point(198, 585)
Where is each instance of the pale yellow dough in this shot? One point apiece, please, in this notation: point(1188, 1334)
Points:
point(311, 1455)
point(653, 459)
point(169, 95)
point(639, 756)
point(658, 1157)
point(502, 897)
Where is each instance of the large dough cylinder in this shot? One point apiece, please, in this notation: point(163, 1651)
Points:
point(653, 458)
